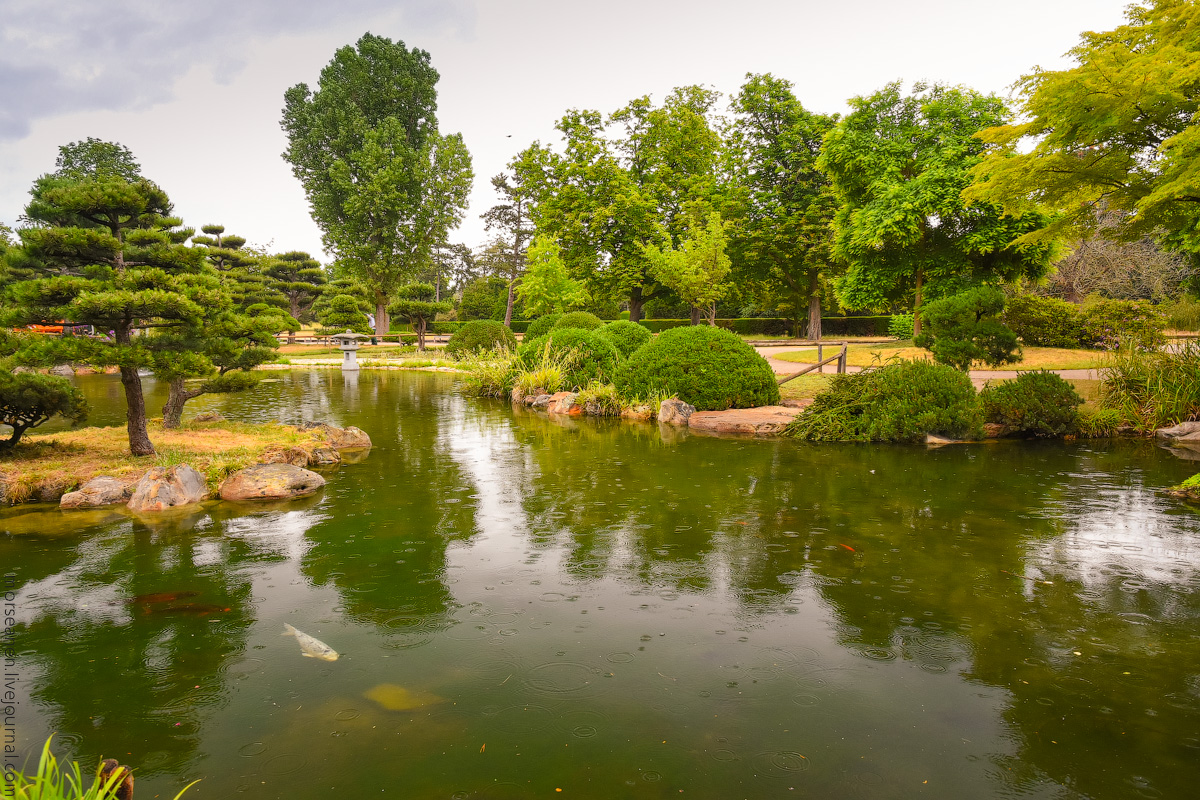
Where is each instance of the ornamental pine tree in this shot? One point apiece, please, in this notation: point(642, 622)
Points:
point(301, 280)
point(416, 304)
point(105, 251)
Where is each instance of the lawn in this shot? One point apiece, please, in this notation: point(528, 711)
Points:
point(864, 355)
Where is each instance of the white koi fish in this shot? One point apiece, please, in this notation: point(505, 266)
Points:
point(310, 647)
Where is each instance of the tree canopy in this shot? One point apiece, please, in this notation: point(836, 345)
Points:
point(383, 184)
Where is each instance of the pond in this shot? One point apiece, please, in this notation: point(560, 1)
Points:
point(531, 607)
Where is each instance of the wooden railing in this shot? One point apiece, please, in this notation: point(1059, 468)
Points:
point(840, 358)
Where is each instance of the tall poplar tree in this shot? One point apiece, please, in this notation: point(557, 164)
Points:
point(383, 184)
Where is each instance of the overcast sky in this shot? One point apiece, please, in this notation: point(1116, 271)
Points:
point(195, 88)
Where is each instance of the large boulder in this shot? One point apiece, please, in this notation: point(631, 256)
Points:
point(1184, 432)
point(340, 438)
point(167, 487)
point(271, 482)
point(675, 412)
point(564, 403)
point(762, 421)
point(104, 490)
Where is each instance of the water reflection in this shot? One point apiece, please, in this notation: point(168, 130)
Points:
point(619, 610)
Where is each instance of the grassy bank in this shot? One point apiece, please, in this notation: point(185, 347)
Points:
point(46, 466)
point(864, 355)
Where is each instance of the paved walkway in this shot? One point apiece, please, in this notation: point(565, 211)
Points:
point(978, 376)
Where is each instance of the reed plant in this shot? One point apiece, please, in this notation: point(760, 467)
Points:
point(600, 400)
point(491, 374)
point(1152, 390)
point(67, 782)
point(1183, 314)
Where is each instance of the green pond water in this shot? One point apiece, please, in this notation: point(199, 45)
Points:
point(525, 605)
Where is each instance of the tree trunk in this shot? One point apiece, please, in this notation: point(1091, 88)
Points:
point(635, 305)
point(695, 315)
point(420, 326)
point(917, 303)
point(814, 307)
point(294, 308)
point(508, 308)
point(177, 395)
point(710, 314)
point(135, 412)
point(381, 315)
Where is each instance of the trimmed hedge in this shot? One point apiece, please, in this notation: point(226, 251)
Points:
point(777, 326)
point(1035, 404)
point(626, 336)
point(478, 336)
point(580, 319)
point(710, 368)
point(518, 326)
point(585, 356)
point(541, 326)
point(1098, 324)
point(1044, 321)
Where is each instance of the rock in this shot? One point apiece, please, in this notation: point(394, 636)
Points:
point(564, 403)
point(296, 456)
point(104, 490)
point(166, 487)
point(540, 401)
point(340, 438)
point(1184, 431)
point(270, 482)
point(49, 491)
point(675, 412)
point(761, 421)
point(324, 457)
point(796, 403)
point(518, 395)
point(994, 430)
point(208, 416)
point(643, 413)
point(934, 440)
point(62, 371)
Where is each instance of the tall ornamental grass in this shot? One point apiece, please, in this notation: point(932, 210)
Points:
point(54, 782)
point(1154, 389)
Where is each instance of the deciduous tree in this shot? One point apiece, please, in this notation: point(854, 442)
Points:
point(696, 269)
point(547, 288)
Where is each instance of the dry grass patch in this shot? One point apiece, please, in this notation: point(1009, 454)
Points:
point(864, 355)
point(41, 466)
point(805, 387)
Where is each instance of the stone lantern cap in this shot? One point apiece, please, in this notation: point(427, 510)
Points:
point(349, 336)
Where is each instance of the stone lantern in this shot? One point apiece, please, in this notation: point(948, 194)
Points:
point(348, 343)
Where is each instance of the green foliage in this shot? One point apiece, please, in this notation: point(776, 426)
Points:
point(383, 185)
point(52, 782)
point(1037, 404)
point(483, 298)
point(28, 399)
point(479, 336)
point(546, 287)
point(626, 336)
point(708, 367)
point(1099, 423)
point(899, 165)
point(1182, 314)
point(541, 326)
point(600, 400)
point(299, 277)
point(1118, 131)
point(95, 158)
point(1110, 324)
point(1153, 389)
point(491, 374)
point(578, 319)
point(1044, 321)
point(341, 314)
point(901, 326)
point(696, 269)
point(415, 303)
point(964, 328)
point(585, 355)
point(901, 401)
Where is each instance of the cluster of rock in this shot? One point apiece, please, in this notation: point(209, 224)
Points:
point(763, 421)
point(282, 475)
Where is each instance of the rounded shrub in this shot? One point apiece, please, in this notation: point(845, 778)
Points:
point(541, 326)
point(1035, 404)
point(626, 336)
point(710, 368)
point(583, 356)
point(580, 319)
point(900, 401)
point(479, 336)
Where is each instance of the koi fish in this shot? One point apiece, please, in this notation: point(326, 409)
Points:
point(848, 547)
point(310, 647)
point(199, 609)
point(159, 597)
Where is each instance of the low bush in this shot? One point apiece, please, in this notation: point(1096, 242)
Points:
point(1035, 404)
point(1099, 423)
point(1182, 314)
point(479, 336)
point(1153, 390)
point(491, 374)
point(901, 326)
point(579, 319)
point(1044, 321)
point(779, 326)
point(541, 326)
point(625, 336)
point(710, 368)
point(900, 401)
point(1111, 324)
point(585, 355)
